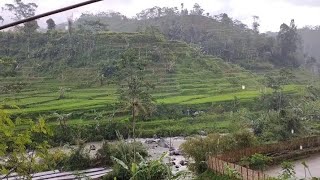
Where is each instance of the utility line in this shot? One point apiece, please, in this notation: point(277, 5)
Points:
point(48, 14)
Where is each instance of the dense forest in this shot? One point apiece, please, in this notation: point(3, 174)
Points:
point(218, 35)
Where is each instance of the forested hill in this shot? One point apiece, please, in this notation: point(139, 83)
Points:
point(218, 35)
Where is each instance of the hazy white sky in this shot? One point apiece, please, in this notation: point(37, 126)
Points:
point(272, 13)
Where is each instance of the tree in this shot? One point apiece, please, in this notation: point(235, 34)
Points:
point(197, 10)
point(93, 26)
point(288, 39)
point(224, 19)
point(70, 26)
point(277, 100)
point(1, 19)
point(256, 161)
point(21, 148)
point(7, 66)
point(51, 25)
point(255, 24)
point(23, 10)
point(183, 11)
point(135, 94)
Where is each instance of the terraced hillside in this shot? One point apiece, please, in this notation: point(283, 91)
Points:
point(182, 76)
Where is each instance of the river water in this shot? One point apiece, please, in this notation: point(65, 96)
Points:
point(313, 162)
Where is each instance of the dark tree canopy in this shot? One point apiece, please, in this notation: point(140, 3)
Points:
point(288, 38)
point(197, 10)
point(51, 25)
point(255, 24)
point(23, 10)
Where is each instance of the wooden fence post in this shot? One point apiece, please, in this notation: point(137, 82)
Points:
point(216, 168)
point(247, 174)
point(222, 166)
point(252, 174)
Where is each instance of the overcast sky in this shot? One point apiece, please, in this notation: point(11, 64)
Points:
point(272, 13)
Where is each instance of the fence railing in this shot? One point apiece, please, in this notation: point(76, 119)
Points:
point(220, 166)
point(292, 145)
point(220, 162)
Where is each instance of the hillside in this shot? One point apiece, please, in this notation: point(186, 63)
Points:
point(181, 74)
point(218, 35)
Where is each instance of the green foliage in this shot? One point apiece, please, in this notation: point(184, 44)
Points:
point(273, 126)
point(244, 139)
point(256, 161)
point(199, 147)
point(124, 151)
point(91, 132)
point(218, 35)
point(288, 39)
point(135, 93)
point(147, 170)
point(287, 170)
point(7, 67)
point(55, 160)
point(21, 11)
point(232, 173)
point(51, 25)
point(16, 142)
point(103, 156)
point(78, 159)
point(124, 157)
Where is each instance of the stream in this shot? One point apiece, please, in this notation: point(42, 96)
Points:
point(314, 166)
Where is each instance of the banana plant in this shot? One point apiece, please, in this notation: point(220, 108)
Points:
point(149, 169)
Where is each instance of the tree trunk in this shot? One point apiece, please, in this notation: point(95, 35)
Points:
point(133, 130)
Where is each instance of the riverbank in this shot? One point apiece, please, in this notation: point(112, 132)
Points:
point(156, 147)
point(313, 162)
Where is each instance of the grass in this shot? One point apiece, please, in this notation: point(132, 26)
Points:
point(195, 87)
point(196, 82)
point(184, 126)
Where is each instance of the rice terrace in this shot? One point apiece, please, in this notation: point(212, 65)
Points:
point(169, 93)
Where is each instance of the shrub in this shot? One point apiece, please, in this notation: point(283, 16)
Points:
point(79, 159)
point(103, 156)
point(124, 152)
point(106, 131)
point(55, 160)
point(144, 170)
point(288, 171)
point(256, 161)
point(198, 148)
point(245, 139)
